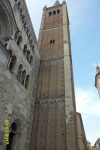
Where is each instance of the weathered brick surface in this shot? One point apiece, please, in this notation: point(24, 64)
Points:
point(54, 123)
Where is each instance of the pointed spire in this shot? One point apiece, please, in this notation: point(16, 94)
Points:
point(56, 3)
point(97, 68)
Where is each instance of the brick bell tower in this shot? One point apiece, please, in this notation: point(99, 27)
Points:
point(54, 125)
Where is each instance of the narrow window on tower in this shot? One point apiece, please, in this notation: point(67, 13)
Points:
point(52, 41)
point(50, 13)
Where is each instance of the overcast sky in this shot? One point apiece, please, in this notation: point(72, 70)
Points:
point(84, 16)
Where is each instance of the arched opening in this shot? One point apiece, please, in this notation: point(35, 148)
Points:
point(21, 12)
point(32, 47)
point(18, 37)
point(25, 50)
point(27, 31)
point(54, 12)
point(58, 11)
point(12, 64)
point(23, 77)
point(28, 55)
point(10, 57)
point(5, 25)
point(31, 42)
point(29, 36)
point(27, 82)
point(31, 59)
point(19, 40)
point(13, 137)
point(50, 13)
point(52, 41)
point(24, 24)
point(23, 18)
point(19, 5)
point(19, 74)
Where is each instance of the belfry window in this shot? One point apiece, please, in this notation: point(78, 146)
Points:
point(58, 11)
point(54, 12)
point(50, 13)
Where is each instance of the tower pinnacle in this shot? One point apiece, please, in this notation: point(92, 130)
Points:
point(56, 3)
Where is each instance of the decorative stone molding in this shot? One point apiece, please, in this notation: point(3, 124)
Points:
point(49, 60)
point(50, 100)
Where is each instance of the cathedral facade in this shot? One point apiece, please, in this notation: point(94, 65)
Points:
point(37, 98)
point(19, 64)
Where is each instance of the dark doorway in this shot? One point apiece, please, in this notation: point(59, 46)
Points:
point(11, 136)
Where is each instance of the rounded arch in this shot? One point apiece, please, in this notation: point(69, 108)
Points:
point(23, 18)
point(18, 37)
point(50, 13)
point(6, 13)
point(58, 11)
point(19, 123)
point(23, 77)
point(27, 81)
point(13, 61)
point(19, 5)
point(28, 55)
point(14, 135)
point(21, 12)
point(29, 36)
point(31, 59)
point(27, 31)
point(33, 47)
point(19, 74)
point(25, 50)
point(54, 12)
